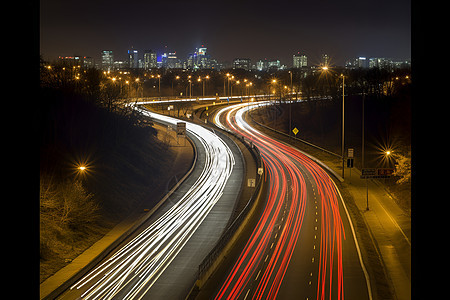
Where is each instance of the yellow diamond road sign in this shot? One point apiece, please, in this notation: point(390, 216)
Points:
point(295, 130)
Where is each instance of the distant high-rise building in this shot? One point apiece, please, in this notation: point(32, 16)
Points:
point(201, 51)
point(359, 62)
point(381, 63)
point(274, 64)
point(150, 59)
point(199, 59)
point(173, 61)
point(107, 60)
point(242, 63)
point(133, 60)
point(362, 62)
point(299, 60)
point(169, 60)
point(325, 60)
point(87, 62)
point(261, 65)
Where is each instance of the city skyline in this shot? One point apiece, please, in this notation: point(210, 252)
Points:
point(201, 59)
point(254, 30)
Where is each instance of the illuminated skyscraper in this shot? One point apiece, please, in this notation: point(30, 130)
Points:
point(299, 60)
point(325, 60)
point(133, 59)
point(199, 60)
point(150, 60)
point(201, 51)
point(107, 60)
point(242, 63)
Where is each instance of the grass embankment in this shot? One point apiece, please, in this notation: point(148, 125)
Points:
point(125, 164)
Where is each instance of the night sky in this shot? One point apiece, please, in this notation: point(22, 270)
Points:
point(229, 29)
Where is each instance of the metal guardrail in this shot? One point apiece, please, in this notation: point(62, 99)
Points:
point(230, 231)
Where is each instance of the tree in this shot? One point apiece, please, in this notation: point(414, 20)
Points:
point(67, 204)
point(403, 168)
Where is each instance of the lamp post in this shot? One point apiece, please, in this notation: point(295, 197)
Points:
point(290, 109)
point(177, 77)
point(343, 126)
point(159, 86)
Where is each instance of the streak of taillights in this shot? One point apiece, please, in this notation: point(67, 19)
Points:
point(280, 162)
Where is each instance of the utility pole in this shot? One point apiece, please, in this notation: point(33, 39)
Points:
point(290, 108)
point(343, 83)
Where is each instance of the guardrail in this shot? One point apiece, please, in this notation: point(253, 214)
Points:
point(230, 231)
point(156, 100)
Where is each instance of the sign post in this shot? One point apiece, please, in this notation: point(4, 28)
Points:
point(369, 173)
point(181, 131)
point(251, 182)
point(350, 160)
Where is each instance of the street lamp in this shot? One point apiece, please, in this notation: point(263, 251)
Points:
point(176, 78)
point(81, 169)
point(159, 86)
point(343, 126)
point(274, 81)
point(290, 108)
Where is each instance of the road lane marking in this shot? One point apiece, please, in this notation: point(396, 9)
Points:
point(366, 274)
point(258, 275)
point(248, 291)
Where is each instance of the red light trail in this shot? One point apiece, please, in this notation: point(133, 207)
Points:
point(259, 271)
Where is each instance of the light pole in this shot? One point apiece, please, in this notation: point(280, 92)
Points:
point(159, 86)
point(177, 77)
point(190, 91)
point(343, 126)
point(290, 108)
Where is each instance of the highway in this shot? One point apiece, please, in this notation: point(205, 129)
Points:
point(133, 269)
point(303, 246)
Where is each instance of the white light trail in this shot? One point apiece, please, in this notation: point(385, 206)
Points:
point(134, 268)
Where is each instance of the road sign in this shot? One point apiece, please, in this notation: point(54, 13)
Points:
point(369, 171)
point(295, 131)
point(377, 173)
point(349, 162)
point(251, 182)
point(385, 171)
point(181, 128)
point(350, 153)
point(260, 171)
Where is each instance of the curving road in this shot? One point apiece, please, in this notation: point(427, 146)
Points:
point(133, 269)
point(303, 246)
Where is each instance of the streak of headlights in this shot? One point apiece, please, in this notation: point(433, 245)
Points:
point(134, 268)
